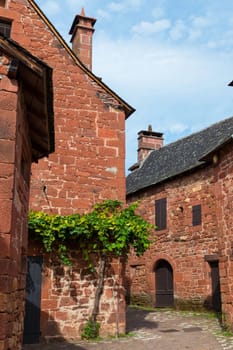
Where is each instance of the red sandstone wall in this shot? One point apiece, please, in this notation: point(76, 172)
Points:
point(88, 165)
point(184, 246)
point(14, 197)
point(225, 231)
point(68, 298)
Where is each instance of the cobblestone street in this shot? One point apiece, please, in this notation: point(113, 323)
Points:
point(160, 330)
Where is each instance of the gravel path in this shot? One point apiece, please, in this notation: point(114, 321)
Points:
point(157, 330)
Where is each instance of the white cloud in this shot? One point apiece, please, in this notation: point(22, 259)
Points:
point(194, 34)
point(201, 22)
point(175, 128)
point(117, 6)
point(102, 14)
point(151, 27)
point(223, 42)
point(178, 30)
point(75, 4)
point(51, 7)
point(124, 6)
point(158, 12)
point(135, 3)
point(198, 26)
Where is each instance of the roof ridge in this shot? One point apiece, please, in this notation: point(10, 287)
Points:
point(194, 133)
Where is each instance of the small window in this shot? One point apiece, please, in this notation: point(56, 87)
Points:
point(5, 28)
point(161, 214)
point(196, 211)
point(2, 3)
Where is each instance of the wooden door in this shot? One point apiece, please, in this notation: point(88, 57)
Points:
point(216, 293)
point(164, 284)
point(33, 299)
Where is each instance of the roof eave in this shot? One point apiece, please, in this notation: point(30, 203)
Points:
point(209, 155)
point(169, 178)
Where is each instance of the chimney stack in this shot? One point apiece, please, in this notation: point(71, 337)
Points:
point(81, 33)
point(148, 141)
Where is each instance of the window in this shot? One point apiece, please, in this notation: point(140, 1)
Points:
point(161, 213)
point(5, 28)
point(196, 211)
point(2, 3)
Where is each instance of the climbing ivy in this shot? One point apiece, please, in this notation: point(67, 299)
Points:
point(109, 230)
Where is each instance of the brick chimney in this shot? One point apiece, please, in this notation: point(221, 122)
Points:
point(81, 33)
point(148, 141)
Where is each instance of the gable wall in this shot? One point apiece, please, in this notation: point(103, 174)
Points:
point(14, 199)
point(88, 164)
point(225, 218)
point(184, 246)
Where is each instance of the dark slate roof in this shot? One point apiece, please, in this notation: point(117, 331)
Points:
point(179, 157)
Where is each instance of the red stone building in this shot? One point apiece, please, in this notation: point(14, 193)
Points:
point(185, 188)
point(26, 134)
point(87, 167)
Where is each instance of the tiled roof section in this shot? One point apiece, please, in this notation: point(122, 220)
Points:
point(180, 156)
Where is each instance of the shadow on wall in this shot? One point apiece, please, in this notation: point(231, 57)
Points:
point(60, 343)
point(66, 287)
point(127, 286)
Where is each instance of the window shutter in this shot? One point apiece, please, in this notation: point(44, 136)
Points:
point(196, 211)
point(161, 213)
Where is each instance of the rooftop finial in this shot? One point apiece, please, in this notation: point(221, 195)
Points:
point(82, 12)
point(150, 127)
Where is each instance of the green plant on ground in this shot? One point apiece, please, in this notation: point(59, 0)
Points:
point(90, 330)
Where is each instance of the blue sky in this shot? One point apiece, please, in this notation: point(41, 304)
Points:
point(171, 60)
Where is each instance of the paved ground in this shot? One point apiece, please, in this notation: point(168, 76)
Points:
point(158, 330)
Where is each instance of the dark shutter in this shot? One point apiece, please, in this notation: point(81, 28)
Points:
point(161, 213)
point(5, 28)
point(196, 211)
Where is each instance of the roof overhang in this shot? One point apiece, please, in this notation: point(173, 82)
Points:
point(35, 80)
point(208, 156)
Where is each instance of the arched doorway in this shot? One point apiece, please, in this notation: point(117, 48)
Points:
point(164, 295)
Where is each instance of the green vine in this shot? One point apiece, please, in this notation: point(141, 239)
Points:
point(108, 230)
